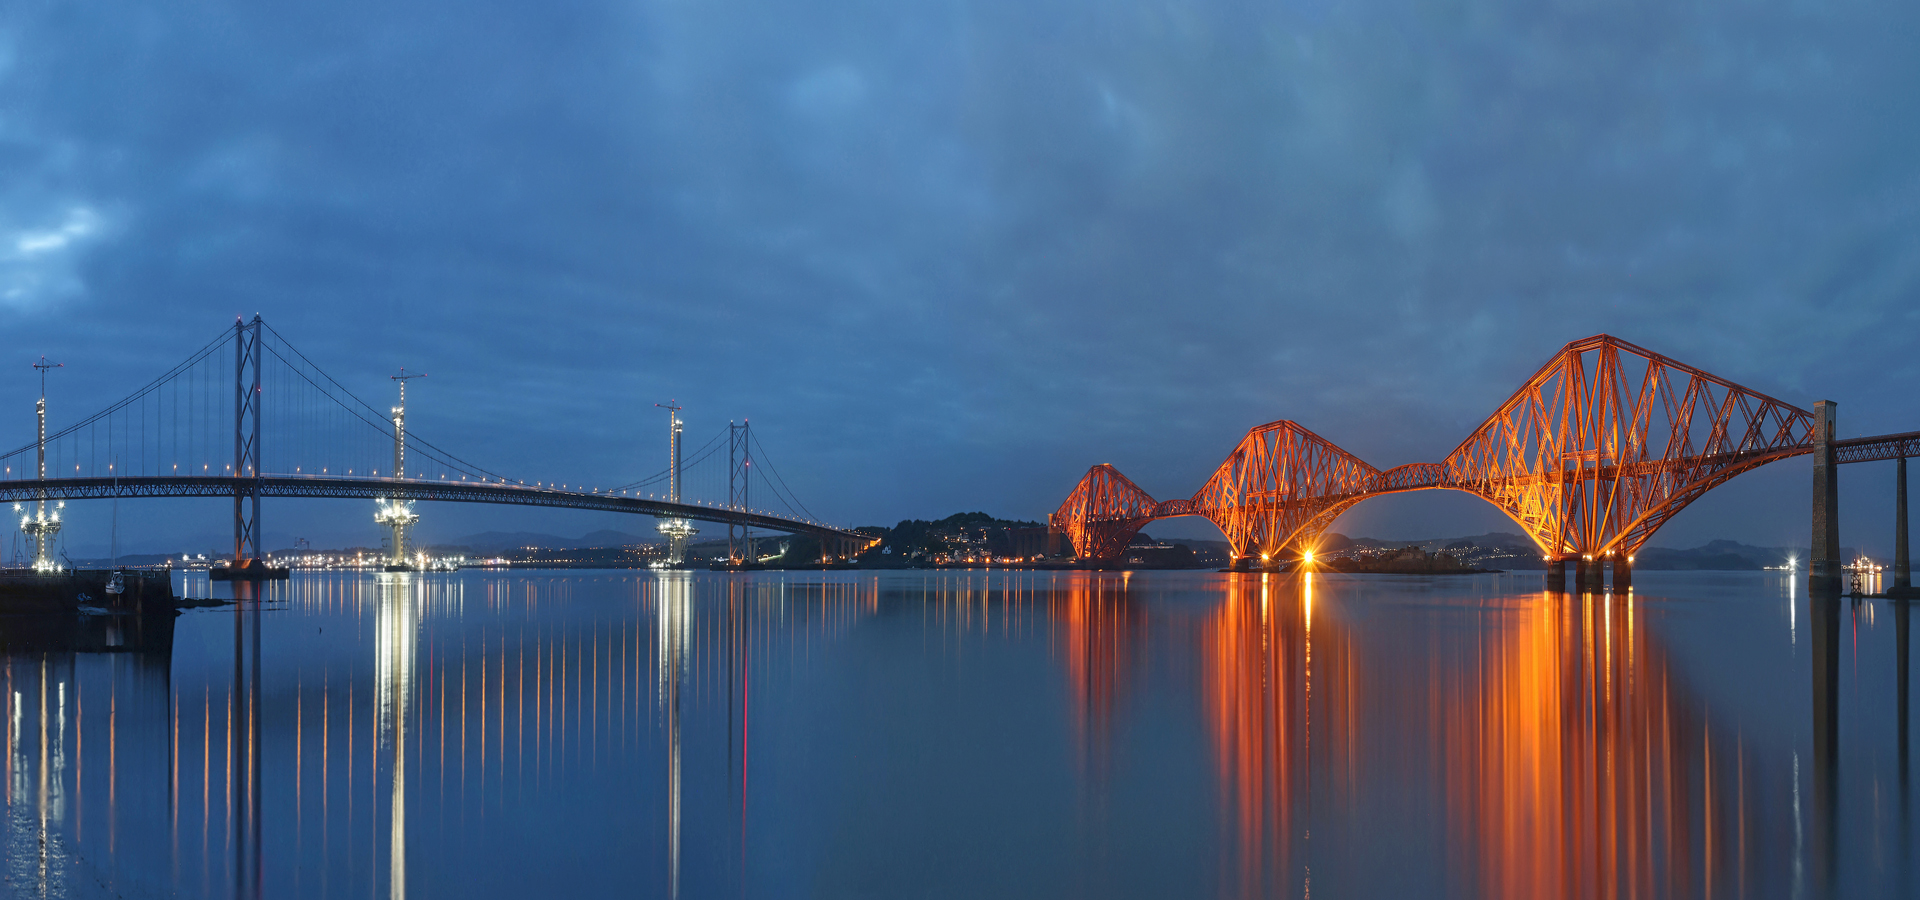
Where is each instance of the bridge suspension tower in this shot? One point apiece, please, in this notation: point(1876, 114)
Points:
point(741, 549)
point(677, 529)
point(394, 513)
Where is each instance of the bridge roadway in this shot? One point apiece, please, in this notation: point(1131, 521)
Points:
point(401, 489)
point(1427, 476)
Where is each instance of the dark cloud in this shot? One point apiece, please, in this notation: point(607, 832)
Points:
point(946, 255)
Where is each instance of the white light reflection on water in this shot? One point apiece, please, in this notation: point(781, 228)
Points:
point(675, 630)
point(399, 621)
point(996, 734)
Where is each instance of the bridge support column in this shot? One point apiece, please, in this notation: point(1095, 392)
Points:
point(1823, 571)
point(1557, 575)
point(1581, 575)
point(1902, 571)
point(1622, 574)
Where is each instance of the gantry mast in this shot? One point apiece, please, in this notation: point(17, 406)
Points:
point(395, 513)
point(40, 527)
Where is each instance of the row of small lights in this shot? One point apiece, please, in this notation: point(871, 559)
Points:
point(537, 484)
point(463, 477)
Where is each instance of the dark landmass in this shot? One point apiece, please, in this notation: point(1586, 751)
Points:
point(1722, 555)
point(72, 611)
point(638, 557)
point(491, 543)
point(128, 561)
point(1181, 553)
point(1409, 560)
point(973, 539)
point(1493, 551)
point(959, 539)
point(1508, 551)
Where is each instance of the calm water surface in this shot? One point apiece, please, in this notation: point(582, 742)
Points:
point(970, 734)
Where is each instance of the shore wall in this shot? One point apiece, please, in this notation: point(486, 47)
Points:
point(27, 592)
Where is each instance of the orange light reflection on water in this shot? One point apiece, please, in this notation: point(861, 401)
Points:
point(1097, 629)
point(1572, 761)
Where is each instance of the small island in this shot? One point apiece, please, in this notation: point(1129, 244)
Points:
point(1409, 560)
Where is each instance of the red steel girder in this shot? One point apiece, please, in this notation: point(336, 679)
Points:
point(1281, 483)
point(1608, 441)
point(1103, 513)
point(1602, 446)
point(1872, 449)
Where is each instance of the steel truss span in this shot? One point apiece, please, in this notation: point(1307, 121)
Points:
point(1874, 449)
point(1603, 445)
point(398, 489)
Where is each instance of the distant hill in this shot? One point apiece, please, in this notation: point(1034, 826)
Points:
point(1519, 552)
point(1334, 542)
point(1211, 553)
point(502, 541)
point(1495, 549)
point(1722, 555)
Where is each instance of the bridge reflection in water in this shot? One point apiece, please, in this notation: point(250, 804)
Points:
point(308, 773)
point(683, 734)
point(1573, 761)
point(1562, 752)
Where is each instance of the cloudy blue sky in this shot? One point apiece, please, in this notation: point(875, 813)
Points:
point(948, 254)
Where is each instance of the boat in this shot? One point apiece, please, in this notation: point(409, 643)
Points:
point(1863, 564)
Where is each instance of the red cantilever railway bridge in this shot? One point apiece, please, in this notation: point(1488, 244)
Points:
point(1602, 446)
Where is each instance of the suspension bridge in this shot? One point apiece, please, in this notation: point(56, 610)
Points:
point(1602, 446)
point(248, 416)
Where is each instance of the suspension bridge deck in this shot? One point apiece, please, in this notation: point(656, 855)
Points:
point(400, 489)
